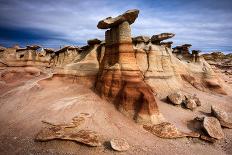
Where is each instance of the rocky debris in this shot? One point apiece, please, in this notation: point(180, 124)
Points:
point(213, 127)
point(167, 44)
point(129, 16)
point(70, 131)
point(219, 113)
point(156, 39)
point(119, 144)
point(190, 103)
point(168, 130)
point(222, 116)
point(139, 39)
point(93, 41)
point(120, 79)
point(176, 98)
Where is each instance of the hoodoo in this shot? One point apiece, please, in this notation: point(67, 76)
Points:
point(119, 78)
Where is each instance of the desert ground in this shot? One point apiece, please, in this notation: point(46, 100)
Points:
point(27, 100)
point(79, 100)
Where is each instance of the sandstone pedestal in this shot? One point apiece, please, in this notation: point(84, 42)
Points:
point(119, 77)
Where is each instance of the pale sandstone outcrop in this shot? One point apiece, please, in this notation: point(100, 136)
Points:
point(28, 56)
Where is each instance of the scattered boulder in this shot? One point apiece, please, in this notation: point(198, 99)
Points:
point(190, 103)
point(176, 98)
point(129, 16)
point(119, 144)
point(219, 113)
point(213, 127)
point(222, 116)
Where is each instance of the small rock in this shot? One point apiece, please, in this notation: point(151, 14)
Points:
point(176, 98)
point(213, 127)
point(197, 100)
point(190, 104)
point(119, 144)
point(219, 113)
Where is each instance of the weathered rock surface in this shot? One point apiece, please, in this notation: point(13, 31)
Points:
point(140, 39)
point(222, 116)
point(213, 127)
point(190, 103)
point(119, 77)
point(176, 98)
point(119, 144)
point(168, 130)
point(93, 41)
point(156, 39)
point(129, 16)
point(70, 132)
point(167, 44)
point(219, 113)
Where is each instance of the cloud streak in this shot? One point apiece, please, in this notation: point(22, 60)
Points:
point(203, 23)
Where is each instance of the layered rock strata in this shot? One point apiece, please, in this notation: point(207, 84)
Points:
point(119, 79)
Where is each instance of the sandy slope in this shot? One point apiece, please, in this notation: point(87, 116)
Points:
point(24, 105)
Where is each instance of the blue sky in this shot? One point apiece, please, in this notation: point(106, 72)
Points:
point(206, 24)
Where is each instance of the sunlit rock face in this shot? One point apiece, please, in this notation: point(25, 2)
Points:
point(80, 64)
point(120, 79)
point(157, 64)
